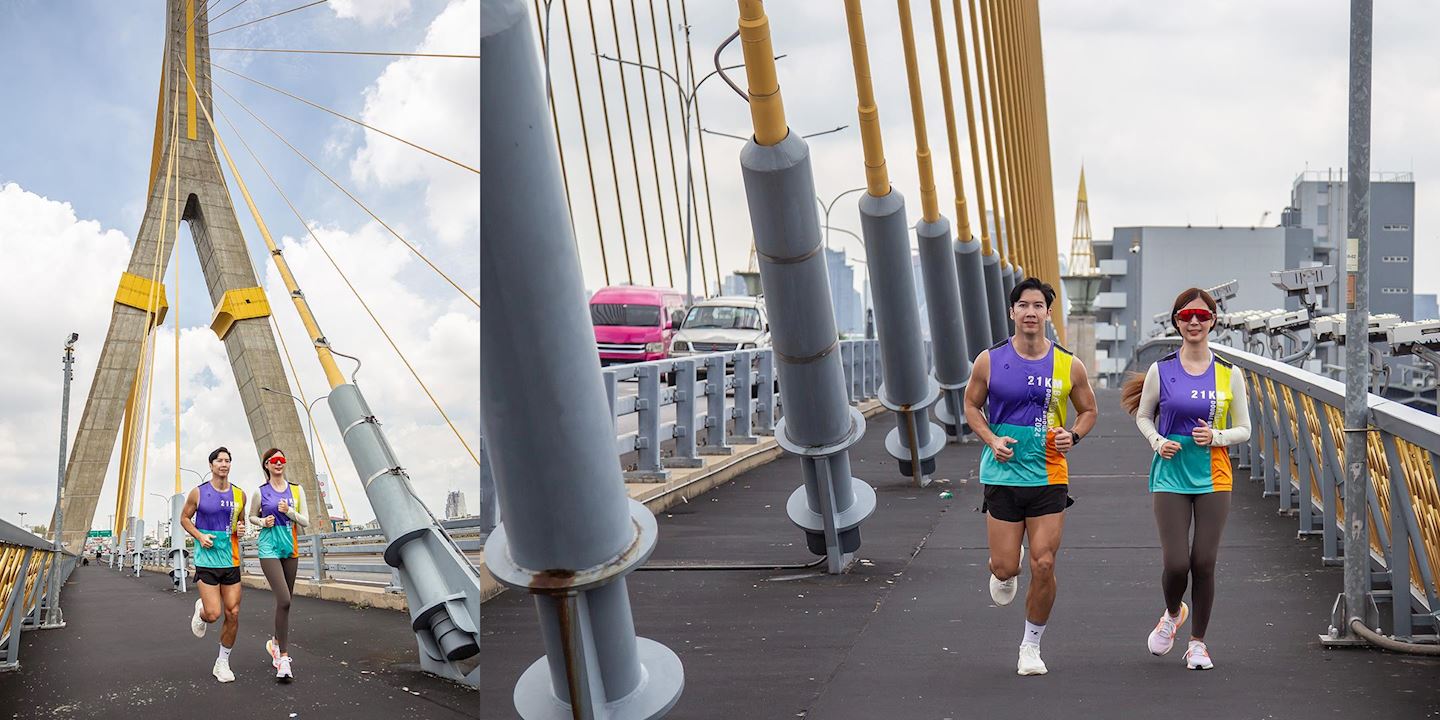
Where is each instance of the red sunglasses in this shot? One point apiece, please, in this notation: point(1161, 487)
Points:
point(277, 460)
point(1200, 314)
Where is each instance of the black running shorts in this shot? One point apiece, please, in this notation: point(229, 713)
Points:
point(217, 576)
point(1009, 503)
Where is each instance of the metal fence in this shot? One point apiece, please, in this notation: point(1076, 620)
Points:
point(1295, 448)
point(353, 556)
point(31, 574)
point(686, 408)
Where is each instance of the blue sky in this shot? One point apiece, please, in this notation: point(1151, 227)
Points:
point(78, 127)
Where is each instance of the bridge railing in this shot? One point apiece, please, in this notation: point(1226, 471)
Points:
point(1295, 449)
point(28, 567)
point(719, 400)
point(355, 554)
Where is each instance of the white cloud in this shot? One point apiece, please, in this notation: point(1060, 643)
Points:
point(434, 103)
point(371, 12)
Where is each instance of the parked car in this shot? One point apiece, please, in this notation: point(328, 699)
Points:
point(634, 323)
point(722, 324)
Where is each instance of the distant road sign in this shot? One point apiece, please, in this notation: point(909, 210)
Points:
point(99, 533)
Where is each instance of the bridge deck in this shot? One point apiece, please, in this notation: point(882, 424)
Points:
point(910, 632)
point(127, 652)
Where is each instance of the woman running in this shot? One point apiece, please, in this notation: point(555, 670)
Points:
point(279, 511)
point(214, 515)
point(1191, 406)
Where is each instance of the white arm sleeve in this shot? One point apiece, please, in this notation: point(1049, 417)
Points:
point(1239, 430)
point(253, 512)
point(1149, 401)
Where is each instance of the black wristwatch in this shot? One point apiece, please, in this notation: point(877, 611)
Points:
point(1075, 438)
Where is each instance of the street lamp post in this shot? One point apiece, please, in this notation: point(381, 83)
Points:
point(827, 207)
point(687, 100)
point(22, 520)
point(310, 416)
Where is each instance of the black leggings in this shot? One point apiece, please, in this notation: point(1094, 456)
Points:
point(1183, 558)
point(280, 573)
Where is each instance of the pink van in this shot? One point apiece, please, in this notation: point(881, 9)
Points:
point(635, 323)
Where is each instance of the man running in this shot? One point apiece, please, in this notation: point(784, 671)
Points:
point(1025, 385)
point(213, 515)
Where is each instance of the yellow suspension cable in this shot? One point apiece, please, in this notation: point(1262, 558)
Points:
point(1006, 202)
point(962, 212)
point(704, 166)
point(680, 101)
point(267, 17)
point(585, 136)
point(343, 116)
point(1015, 215)
point(970, 124)
point(634, 159)
point(175, 313)
point(767, 109)
point(610, 143)
point(285, 347)
point(990, 160)
point(350, 52)
point(345, 278)
point(654, 157)
point(364, 207)
point(929, 203)
point(322, 348)
point(669, 135)
point(877, 177)
point(540, 23)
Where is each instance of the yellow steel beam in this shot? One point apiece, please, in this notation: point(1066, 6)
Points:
point(236, 305)
point(142, 293)
point(877, 178)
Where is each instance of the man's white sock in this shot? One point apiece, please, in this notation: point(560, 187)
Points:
point(225, 653)
point(1033, 633)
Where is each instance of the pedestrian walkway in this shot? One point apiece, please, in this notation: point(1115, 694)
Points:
point(127, 652)
point(910, 631)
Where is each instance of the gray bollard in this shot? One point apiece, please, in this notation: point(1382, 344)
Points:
point(819, 424)
point(949, 349)
point(569, 534)
point(685, 455)
point(907, 389)
point(1008, 277)
point(995, 292)
point(974, 297)
point(177, 542)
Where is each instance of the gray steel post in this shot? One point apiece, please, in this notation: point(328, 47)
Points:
point(1357, 317)
point(489, 506)
point(949, 348)
point(568, 534)
point(177, 542)
point(974, 298)
point(765, 412)
point(137, 552)
point(1284, 454)
point(907, 390)
point(1008, 278)
point(647, 413)
point(819, 424)
point(996, 295)
point(1332, 480)
point(54, 616)
point(14, 616)
point(1400, 543)
point(685, 455)
point(744, 412)
point(715, 415)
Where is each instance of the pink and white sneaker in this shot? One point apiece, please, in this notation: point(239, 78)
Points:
point(1162, 638)
point(1197, 656)
point(273, 648)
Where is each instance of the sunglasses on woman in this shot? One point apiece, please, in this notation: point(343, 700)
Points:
point(277, 460)
point(1197, 314)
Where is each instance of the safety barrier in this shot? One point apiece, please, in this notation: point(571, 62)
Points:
point(32, 571)
point(1295, 448)
point(719, 400)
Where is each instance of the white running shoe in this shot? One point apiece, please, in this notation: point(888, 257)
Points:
point(1162, 638)
point(1003, 592)
point(222, 672)
point(1030, 662)
point(282, 669)
point(273, 648)
point(1197, 656)
point(198, 624)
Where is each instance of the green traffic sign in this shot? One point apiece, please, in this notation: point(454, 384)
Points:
point(99, 533)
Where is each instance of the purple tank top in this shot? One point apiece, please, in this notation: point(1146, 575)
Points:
point(270, 503)
point(1186, 398)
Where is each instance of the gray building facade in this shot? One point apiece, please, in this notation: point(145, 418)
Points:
point(1146, 267)
point(843, 297)
point(1321, 198)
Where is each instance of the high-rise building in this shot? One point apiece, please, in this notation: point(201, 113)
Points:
point(455, 505)
point(849, 318)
